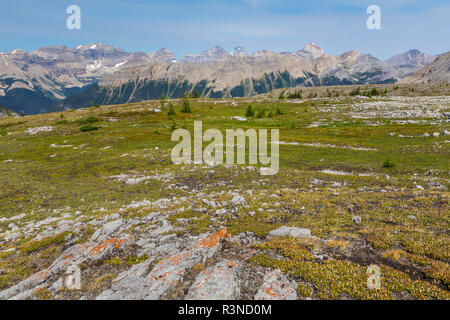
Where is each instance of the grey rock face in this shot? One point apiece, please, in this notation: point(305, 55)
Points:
point(164, 227)
point(277, 286)
point(219, 282)
point(107, 230)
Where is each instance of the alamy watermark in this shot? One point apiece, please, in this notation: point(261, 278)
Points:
point(235, 147)
point(73, 22)
point(374, 279)
point(73, 279)
point(374, 20)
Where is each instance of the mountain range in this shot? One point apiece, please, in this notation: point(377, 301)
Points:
point(56, 77)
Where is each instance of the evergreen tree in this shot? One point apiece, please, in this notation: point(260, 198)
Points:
point(249, 112)
point(186, 104)
point(262, 113)
point(171, 111)
point(174, 126)
point(163, 100)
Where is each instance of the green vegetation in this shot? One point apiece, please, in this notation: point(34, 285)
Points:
point(88, 127)
point(388, 164)
point(88, 120)
point(337, 160)
point(297, 94)
point(333, 279)
point(35, 245)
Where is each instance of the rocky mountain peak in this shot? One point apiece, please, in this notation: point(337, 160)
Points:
point(239, 51)
point(17, 52)
point(411, 61)
point(213, 54)
point(311, 51)
point(216, 52)
point(163, 55)
point(411, 57)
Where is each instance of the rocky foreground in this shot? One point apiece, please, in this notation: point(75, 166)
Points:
point(208, 266)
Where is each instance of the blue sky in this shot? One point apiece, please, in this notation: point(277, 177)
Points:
point(192, 26)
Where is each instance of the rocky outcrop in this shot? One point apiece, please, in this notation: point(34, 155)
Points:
point(277, 286)
point(219, 282)
point(141, 283)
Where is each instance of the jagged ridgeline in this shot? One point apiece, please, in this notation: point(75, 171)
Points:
point(149, 89)
point(56, 77)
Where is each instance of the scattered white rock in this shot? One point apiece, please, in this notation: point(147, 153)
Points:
point(356, 219)
point(60, 146)
point(108, 229)
point(238, 200)
point(290, 231)
point(13, 227)
point(239, 118)
point(36, 130)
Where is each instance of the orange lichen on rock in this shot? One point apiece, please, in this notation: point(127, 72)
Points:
point(67, 259)
point(270, 292)
point(44, 274)
point(212, 240)
point(115, 242)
